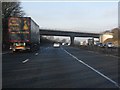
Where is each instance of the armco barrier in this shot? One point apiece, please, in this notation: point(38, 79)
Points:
point(105, 50)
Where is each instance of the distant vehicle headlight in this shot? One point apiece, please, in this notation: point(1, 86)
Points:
point(56, 45)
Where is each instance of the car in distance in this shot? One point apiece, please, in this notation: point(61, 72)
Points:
point(109, 45)
point(56, 45)
point(99, 44)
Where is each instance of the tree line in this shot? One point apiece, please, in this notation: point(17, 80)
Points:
point(12, 9)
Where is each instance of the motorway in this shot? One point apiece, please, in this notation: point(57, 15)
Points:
point(63, 67)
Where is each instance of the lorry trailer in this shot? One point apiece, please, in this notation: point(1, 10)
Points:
point(23, 33)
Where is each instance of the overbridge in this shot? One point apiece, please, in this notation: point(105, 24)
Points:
point(71, 34)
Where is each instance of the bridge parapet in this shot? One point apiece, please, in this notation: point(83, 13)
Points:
point(70, 34)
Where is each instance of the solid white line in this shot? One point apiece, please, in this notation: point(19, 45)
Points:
point(25, 61)
point(116, 84)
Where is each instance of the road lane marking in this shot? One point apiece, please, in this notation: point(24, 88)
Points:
point(112, 81)
point(6, 52)
point(25, 61)
point(36, 54)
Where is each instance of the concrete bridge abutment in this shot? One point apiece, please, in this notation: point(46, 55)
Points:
point(72, 40)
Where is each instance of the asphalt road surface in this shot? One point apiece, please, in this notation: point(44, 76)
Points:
point(64, 67)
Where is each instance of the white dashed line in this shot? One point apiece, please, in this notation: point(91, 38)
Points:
point(36, 54)
point(25, 61)
point(6, 52)
point(3, 53)
point(116, 84)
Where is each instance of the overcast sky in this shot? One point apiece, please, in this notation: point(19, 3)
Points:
point(74, 16)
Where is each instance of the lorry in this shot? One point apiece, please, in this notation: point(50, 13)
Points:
point(23, 34)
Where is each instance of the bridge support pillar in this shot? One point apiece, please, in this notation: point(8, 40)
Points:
point(72, 40)
point(93, 41)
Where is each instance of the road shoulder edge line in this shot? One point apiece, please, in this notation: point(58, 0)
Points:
point(112, 81)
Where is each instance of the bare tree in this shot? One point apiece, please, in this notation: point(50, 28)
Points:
point(9, 9)
point(12, 9)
